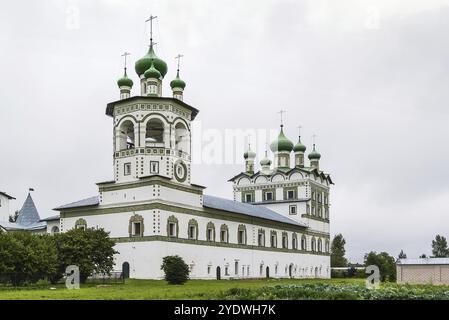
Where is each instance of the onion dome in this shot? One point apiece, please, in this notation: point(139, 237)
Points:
point(125, 81)
point(249, 154)
point(177, 83)
point(282, 143)
point(314, 155)
point(152, 72)
point(143, 64)
point(265, 162)
point(299, 147)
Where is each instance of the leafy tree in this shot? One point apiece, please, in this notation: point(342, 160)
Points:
point(385, 262)
point(175, 269)
point(439, 247)
point(91, 250)
point(13, 218)
point(338, 251)
point(402, 255)
point(26, 258)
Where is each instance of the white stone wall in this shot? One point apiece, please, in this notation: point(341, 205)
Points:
point(423, 274)
point(145, 260)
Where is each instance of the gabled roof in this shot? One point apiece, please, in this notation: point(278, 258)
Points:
point(246, 209)
point(213, 203)
point(7, 195)
point(52, 218)
point(28, 215)
point(110, 106)
point(89, 202)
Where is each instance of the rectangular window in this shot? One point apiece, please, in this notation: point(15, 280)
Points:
point(137, 229)
point(154, 167)
point(172, 229)
point(192, 232)
point(236, 271)
point(308, 208)
point(208, 269)
point(261, 241)
point(127, 169)
point(290, 194)
point(210, 235)
point(224, 236)
point(313, 210)
point(293, 209)
point(241, 237)
point(268, 196)
point(248, 197)
point(273, 241)
point(285, 242)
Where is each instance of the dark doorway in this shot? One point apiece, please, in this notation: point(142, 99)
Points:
point(218, 273)
point(125, 270)
point(290, 271)
point(267, 272)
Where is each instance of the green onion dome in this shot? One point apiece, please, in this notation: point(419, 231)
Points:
point(144, 63)
point(282, 143)
point(249, 154)
point(125, 81)
point(314, 155)
point(152, 73)
point(299, 147)
point(177, 83)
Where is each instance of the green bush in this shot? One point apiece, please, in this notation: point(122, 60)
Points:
point(26, 258)
point(175, 269)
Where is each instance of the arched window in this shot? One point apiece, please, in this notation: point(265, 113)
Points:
point(81, 224)
point(241, 234)
point(126, 135)
point(136, 226)
point(303, 243)
point(154, 132)
point(54, 230)
point(210, 232)
point(182, 137)
point(172, 227)
point(273, 239)
point(327, 246)
point(313, 244)
point(224, 233)
point(261, 238)
point(284, 240)
point(320, 245)
point(294, 241)
point(193, 229)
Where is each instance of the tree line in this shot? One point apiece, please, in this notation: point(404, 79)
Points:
point(27, 258)
point(385, 262)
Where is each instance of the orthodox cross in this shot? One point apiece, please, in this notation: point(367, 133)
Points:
point(299, 131)
point(314, 140)
point(150, 20)
point(178, 57)
point(125, 55)
point(282, 118)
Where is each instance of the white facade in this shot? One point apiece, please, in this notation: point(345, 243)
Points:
point(4, 206)
point(152, 210)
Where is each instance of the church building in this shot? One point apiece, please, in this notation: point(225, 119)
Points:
point(276, 226)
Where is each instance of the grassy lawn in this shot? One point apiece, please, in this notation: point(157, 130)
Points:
point(153, 289)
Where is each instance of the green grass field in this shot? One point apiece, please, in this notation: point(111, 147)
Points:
point(153, 289)
point(233, 289)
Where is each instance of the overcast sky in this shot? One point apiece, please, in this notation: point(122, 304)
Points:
point(370, 78)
